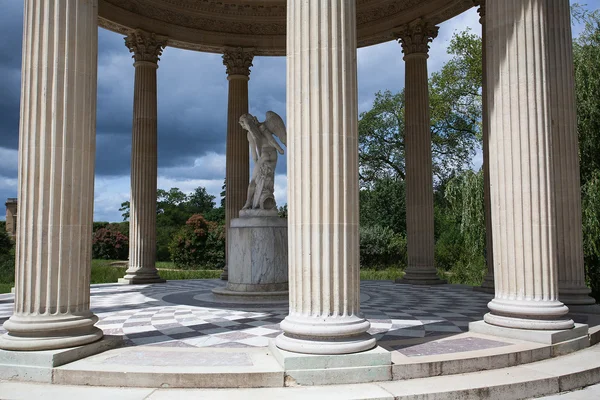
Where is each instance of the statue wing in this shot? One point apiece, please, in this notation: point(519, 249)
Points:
point(275, 124)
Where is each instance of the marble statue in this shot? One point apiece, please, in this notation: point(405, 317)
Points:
point(264, 149)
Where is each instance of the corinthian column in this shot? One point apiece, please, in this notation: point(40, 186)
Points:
point(146, 49)
point(523, 185)
point(572, 289)
point(322, 114)
point(56, 178)
point(488, 281)
point(237, 170)
point(415, 39)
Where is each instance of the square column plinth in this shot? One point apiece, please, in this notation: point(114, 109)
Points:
point(36, 366)
point(374, 365)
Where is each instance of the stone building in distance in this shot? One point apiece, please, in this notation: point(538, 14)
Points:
point(11, 216)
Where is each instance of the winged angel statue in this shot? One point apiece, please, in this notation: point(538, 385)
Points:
point(264, 149)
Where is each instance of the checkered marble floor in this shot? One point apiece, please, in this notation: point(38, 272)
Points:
point(184, 313)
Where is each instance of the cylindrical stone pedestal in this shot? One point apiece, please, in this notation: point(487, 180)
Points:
point(237, 158)
point(523, 185)
point(57, 144)
point(258, 257)
point(146, 49)
point(322, 117)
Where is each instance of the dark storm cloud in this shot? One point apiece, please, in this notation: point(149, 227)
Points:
point(11, 31)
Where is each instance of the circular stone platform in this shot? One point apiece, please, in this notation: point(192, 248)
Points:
point(179, 335)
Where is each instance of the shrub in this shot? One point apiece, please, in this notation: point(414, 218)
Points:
point(110, 244)
point(380, 247)
point(199, 244)
point(7, 258)
point(591, 232)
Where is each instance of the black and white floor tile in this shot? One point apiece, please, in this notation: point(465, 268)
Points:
point(184, 313)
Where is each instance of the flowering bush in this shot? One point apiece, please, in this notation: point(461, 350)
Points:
point(110, 244)
point(200, 244)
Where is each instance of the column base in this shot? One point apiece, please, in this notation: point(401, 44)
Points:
point(575, 296)
point(421, 276)
point(528, 314)
point(49, 332)
point(531, 335)
point(141, 276)
point(487, 286)
point(325, 335)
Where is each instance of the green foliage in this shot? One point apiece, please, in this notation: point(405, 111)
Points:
point(380, 248)
point(461, 225)
point(283, 211)
point(384, 205)
point(106, 273)
point(591, 231)
point(191, 274)
point(586, 53)
point(381, 139)
point(7, 259)
point(110, 244)
point(388, 274)
point(199, 244)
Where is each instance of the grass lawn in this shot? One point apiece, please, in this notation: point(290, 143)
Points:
point(104, 272)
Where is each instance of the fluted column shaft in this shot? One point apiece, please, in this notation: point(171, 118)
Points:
point(488, 281)
point(420, 270)
point(146, 49)
point(523, 194)
point(56, 177)
point(571, 271)
point(323, 236)
point(237, 170)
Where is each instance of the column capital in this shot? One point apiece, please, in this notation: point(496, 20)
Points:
point(145, 46)
point(238, 61)
point(416, 36)
point(480, 10)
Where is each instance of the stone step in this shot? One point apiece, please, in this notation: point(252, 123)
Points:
point(543, 378)
point(163, 367)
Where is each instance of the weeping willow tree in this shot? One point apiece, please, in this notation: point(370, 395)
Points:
point(586, 52)
point(465, 206)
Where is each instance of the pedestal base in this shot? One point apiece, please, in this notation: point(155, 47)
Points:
point(48, 332)
point(257, 256)
point(421, 276)
point(327, 335)
point(141, 277)
point(528, 314)
point(225, 293)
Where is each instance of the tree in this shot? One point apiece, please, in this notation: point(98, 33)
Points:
point(455, 99)
point(198, 244)
point(384, 205)
point(200, 202)
point(586, 54)
point(456, 106)
point(125, 207)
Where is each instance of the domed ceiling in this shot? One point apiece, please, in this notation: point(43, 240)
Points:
point(211, 25)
